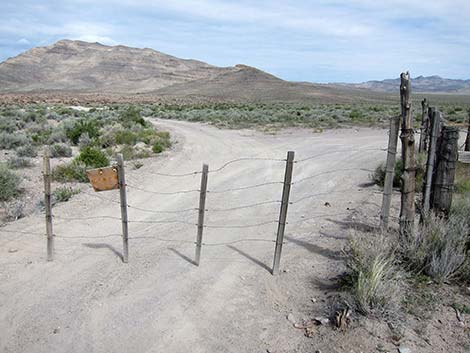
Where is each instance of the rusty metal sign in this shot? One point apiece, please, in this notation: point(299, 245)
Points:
point(103, 179)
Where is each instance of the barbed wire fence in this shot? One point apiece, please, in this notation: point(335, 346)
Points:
point(183, 217)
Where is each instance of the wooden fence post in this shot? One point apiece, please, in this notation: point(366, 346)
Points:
point(435, 127)
point(283, 212)
point(389, 170)
point(48, 204)
point(124, 220)
point(424, 126)
point(443, 183)
point(407, 212)
point(202, 209)
point(467, 140)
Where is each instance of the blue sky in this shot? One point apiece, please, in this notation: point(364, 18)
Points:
point(317, 41)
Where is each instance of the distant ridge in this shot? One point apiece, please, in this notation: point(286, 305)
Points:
point(422, 84)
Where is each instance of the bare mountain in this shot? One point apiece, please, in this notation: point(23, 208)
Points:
point(422, 84)
point(92, 67)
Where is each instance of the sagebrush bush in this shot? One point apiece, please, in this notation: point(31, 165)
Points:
point(63, 194)
point(14, 210)
point(12, 141)
point(9, 184)
point(80, 127)
point(19, 162)
point(60, 150)
point(26, 151)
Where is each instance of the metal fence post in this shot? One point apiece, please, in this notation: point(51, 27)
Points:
point(202, 209)
point(124, 220)
point(48, 205)
point(283, 212)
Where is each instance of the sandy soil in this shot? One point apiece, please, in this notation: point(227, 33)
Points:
point(87, 300)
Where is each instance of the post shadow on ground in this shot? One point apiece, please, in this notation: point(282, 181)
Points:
point(183, 256)
point(356, 225)
point(334, 255)
point(251, 258)
point(104, 246)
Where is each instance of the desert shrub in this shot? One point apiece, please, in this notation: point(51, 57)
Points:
point(73, 171)
point(26, 151)
point(132, 116)
point(378, 176)
point(63, 194)
point(373, 275)
point(93, 157)
point(9, 184)
point(437, 248)
point(80, 127)
point(14, 209)
point(157, 147)
point(84, 141)
point(7, 125)
point(12, 141)
point(131, 152)
point(60, 150)
point(57, 135)
point(126, 137)
point(19, 162)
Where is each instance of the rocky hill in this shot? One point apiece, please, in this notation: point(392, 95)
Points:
point(92, 67)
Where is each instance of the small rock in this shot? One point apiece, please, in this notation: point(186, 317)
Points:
point(291, 318)
point(56, 330)
point(285, 270)
point(12, 250)
point(322, 320)
point(318, 351)
point(313, 300)
point(404, 350)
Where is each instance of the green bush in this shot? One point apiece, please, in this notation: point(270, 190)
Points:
point(80, 127)
point(157, 147)
point(378, 176)
point(131, 116)
point(60, 150)
point(70, 172)
point(9, 184)
point(93, 157)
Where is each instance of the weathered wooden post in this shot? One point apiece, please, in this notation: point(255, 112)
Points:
point(467, 140)
point(123, 196)
point(443, 183)
point(435, 128)
point(48, 204)
point(202, 209)
point(283, 212)
point(424, 124)
point(389, 170)
point(407, 212)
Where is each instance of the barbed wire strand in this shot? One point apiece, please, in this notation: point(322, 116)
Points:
point(238, 226)
point(339, 151)
point(244, 187)
point(241, 207)
point(242, 160)
point(162, 193)
point(329, 172)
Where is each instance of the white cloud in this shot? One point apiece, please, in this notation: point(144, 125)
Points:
point(23, 41)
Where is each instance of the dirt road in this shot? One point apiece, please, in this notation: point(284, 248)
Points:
point(87, 300)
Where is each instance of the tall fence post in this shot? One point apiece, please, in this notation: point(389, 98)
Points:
point(202, 209)
point(407, 212)
point(435, 127)
point(389, 170)
point(467, 139)
point(283, 211)
point(443, 183)
point(124, 220)
point(48, 204)
point(424, 126)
